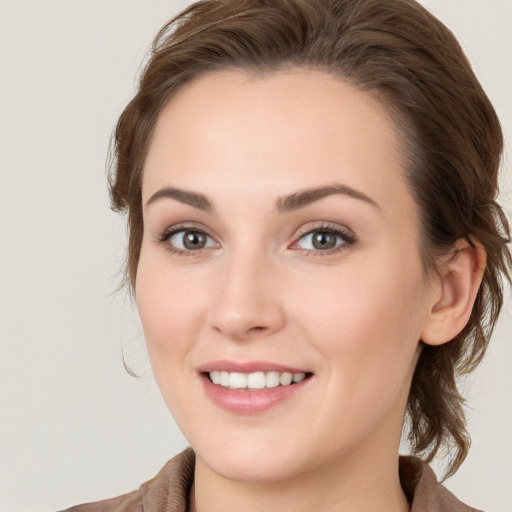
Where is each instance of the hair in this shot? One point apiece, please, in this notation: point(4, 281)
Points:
point(451, 137)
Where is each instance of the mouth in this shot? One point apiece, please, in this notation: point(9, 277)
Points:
point(252, 387)
point(255, 381)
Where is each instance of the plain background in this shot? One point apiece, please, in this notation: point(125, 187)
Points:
point(74, 427)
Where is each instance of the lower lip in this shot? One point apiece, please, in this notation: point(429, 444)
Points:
point(249, 402)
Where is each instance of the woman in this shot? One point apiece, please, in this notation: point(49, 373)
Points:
point(315, 251)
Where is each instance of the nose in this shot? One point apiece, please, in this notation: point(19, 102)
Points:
point(247, 304)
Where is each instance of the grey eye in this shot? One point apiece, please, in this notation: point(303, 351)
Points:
point(323, 240)
point(320, 240)
point(190, 240)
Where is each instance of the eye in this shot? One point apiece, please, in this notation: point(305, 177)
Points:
point(324, 239)
point(188, 240)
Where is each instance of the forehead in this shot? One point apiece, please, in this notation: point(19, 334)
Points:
point(278, 131)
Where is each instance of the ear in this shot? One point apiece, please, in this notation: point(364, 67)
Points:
point(454, 293)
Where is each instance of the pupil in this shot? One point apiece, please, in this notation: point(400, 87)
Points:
point(324, 240)
point(194, 240)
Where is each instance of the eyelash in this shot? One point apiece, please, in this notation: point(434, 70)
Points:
point(346, 235)
point(347, 239)
point(168, 234)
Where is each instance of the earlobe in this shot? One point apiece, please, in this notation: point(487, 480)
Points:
point(455, 293)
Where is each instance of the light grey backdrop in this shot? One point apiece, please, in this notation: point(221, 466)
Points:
point(74, 426)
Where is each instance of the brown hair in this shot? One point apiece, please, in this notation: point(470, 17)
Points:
point(452, 141)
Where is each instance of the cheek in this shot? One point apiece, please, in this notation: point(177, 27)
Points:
point(170, 308)
point(367, 322)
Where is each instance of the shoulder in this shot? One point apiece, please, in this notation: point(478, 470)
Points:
point(424, 492)
point(130, 502)
point(168, 491)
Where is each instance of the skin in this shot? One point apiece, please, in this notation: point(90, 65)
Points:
point(259, 290)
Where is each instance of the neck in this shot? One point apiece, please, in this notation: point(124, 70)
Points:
point(371, 485)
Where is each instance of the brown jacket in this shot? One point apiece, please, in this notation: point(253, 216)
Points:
point(169, 490)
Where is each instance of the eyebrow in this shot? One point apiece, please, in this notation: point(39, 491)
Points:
point(310, 195)
point(194, 199)
point(284, 204)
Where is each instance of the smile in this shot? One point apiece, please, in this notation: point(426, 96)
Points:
point(252, 387)
point(256, 380)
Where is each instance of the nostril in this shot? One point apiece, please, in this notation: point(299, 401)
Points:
point(242, 321)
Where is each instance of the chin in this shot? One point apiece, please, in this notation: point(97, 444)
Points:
point(252, 463)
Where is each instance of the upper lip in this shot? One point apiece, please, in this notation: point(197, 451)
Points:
point(247, 367)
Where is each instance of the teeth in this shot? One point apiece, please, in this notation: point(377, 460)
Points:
point(285, 379)
point(272, 380)
point(256, 380)
point(237, 380)
point(224, 379)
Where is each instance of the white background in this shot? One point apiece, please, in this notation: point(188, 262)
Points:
point(74, 427)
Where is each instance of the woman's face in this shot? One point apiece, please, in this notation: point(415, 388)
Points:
point(281, 242)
